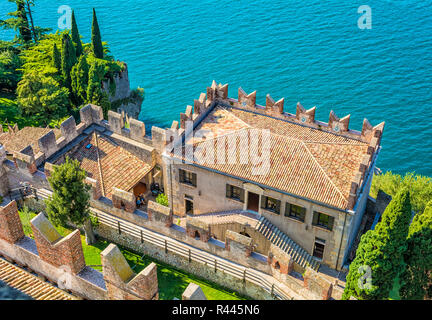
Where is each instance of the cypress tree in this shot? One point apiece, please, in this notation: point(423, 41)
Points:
point(80, 79)
point(56, 58)
point(96, 40)
point(76, 36)
point(416, 282)
point(381, 253)
point(68, 59)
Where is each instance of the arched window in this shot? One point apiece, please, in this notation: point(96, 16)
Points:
point(277, 265)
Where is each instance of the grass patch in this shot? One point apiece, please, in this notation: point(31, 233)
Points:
point(172, 281)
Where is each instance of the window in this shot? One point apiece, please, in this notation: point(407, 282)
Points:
point(235, 193)
point(319, 248)
point(323, 220)
point(271, 204)
point(295, 212)
point(188, 177)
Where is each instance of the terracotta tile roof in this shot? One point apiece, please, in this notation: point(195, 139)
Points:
point(16, 141)
point(307, 162)
point(118, 167)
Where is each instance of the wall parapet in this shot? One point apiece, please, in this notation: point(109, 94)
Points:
point(123, 283)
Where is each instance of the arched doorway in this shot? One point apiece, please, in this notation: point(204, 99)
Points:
point(197, 235)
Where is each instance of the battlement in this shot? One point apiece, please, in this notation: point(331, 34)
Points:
point(302, 116)
point(122, 282)
point(61, 260)
point(11, 228)
point(27, 161)
point(57, 250)
point(238, 244)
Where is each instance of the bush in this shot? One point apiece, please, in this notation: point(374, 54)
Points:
point(420, 187)
point(162, 199)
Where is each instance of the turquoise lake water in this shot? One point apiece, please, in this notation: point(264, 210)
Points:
point(312, 52)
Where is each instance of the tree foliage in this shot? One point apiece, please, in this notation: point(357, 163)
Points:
point(96, 39)
point(76, 37)
point(68, 60)
point(416, 280)
point(70, 201)
point(80, 79)
point(420, 187)
point(42, 96)
point(18, 21)
point(56, 58)
point(9, 63)
point(382, 250)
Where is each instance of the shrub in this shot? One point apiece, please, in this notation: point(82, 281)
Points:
point(162, 199)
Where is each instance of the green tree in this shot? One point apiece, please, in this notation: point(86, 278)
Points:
point(19, 22)
point(68, 60)
point(416, 281)
point(381, 252)
point(95, 95)
point(96, 39)
point(42, 96)
point(56, 58)
point(10, 62)
point(80, 79)
point(76, 37)
point(70, 201)
point(420, 187)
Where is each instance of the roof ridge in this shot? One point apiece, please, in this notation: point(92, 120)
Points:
point(325, 173)
point(339, 143)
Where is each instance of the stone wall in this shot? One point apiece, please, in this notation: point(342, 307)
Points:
point(122, 96)
point(61, 260)
point(198, 269)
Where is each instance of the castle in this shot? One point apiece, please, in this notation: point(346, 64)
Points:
point(288, 189)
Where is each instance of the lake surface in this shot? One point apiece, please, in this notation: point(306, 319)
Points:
point(312, 52)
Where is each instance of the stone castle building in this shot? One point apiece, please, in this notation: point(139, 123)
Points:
point(286, 187)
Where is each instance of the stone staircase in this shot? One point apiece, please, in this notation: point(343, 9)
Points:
point(281, 240)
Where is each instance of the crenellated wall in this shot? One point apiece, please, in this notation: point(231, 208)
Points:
point(218, 93)
point(132, 139)
point(61, 260)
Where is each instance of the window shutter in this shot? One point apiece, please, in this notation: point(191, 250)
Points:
point(264, 202)
point(315, 218)
point(242, 195)
point(287, 209)
point(331, 223)
point(181, 175)
point(194, 179)
point(228, 191)
point(278, 205)
point(303, 214)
